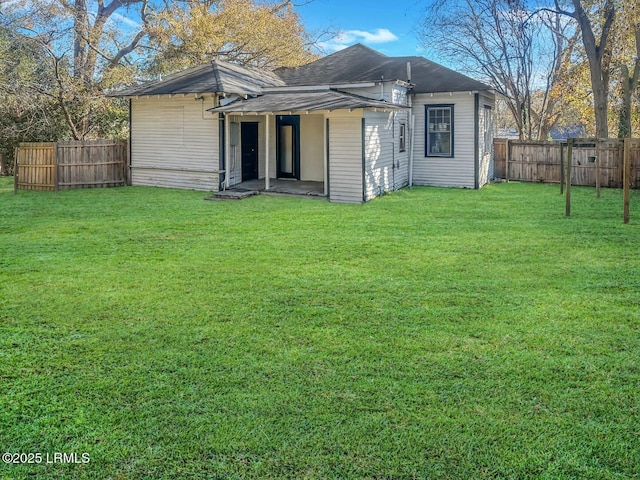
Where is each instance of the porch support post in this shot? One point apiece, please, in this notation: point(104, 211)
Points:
point(227, 150)
point(326, 156)
point(266, 154)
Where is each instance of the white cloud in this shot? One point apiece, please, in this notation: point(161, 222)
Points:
point(381, 35)
point(349, 37)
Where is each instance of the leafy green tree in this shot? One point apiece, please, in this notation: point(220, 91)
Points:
point(595, 20)
point(259, 34)
point(28, 112)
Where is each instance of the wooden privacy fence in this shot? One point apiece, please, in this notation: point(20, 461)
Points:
point(73, 164)
point(530, 161)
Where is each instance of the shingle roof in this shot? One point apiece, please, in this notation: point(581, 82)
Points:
point(355, 64)
point(303, 101)
point(212, 77)
point(363, 64)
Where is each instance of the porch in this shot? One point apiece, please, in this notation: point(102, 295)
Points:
point(279, 186)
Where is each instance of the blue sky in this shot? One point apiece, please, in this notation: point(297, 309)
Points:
point(388, 27)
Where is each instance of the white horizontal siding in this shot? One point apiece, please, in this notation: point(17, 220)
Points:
point(345, 159)
point(485, 138)
point(390, 92)
point(235, 151)
point(379, 152)
point(153, 177)
point(458, 171)
point(174, 143)
point(401, 175)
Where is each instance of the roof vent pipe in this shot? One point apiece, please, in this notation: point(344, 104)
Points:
point(382, 89)
point(409, 72)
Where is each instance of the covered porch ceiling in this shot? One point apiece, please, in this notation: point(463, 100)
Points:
point(286, 102)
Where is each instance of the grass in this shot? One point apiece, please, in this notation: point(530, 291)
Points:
point(432, 333)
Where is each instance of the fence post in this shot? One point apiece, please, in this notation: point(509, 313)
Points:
point(568, 176)
point(561, 168)
point(597, 165)
point(16, 151)
point(56, 182)
point(626, 178)
point(506, 161)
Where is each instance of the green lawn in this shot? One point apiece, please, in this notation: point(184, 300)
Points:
point(432, 333)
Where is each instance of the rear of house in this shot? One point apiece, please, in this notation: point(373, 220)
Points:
point(349, 135)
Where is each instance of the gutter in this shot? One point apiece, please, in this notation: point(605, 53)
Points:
point(412, 123)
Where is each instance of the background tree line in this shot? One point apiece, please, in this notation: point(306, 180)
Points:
point(562, 63)
point(570, 62)
point(60, 58)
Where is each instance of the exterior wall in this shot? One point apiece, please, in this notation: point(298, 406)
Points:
point(457, 171)
point(174, 143)
point(311, 148)
point(386, 168)
point(390, 93)
point(235, 151)
point(345, 157)
point(486, 112)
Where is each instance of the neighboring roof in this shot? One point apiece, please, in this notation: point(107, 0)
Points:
point(212, 77)
point(303, 101)
point(363, 64)
point(567, 131)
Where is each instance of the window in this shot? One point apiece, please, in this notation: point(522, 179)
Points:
point(403, 137)
point(439, 142)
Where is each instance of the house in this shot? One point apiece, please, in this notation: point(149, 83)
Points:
point(353, 125)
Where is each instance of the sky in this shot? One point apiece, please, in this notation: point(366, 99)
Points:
point(388, 27)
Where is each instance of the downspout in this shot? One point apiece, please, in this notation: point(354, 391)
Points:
point(364, 163)
point(227, 149)
point(267, 184)
point(222, 158)
point(412, 124)
point(326, 158)
point(327, 187)
point(129, 181)
point(393, 153)
point(476, 144)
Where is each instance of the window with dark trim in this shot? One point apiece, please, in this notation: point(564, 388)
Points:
point(403, 137)
point(439, 131)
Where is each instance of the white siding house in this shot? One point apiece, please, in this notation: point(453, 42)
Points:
point(468, 165)
point(174, 143)
point(342, 125)
point(386, 160)
point(345, 159)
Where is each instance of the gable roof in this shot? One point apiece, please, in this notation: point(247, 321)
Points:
point(359, 63)
point(211, 77)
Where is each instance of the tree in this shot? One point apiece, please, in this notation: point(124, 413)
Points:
point(90, 47)
point(83, 46)
point(626, 52)
point(595, 21)
point(27, 113)
point(255, 34)
point(517, 52)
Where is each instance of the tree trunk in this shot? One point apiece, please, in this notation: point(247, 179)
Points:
point(4, 165)
point(600, 102)
point(624, 119)
point(596, 53)
point(629, 85)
